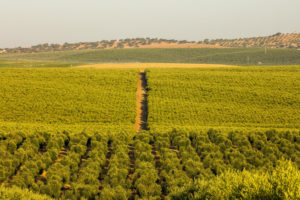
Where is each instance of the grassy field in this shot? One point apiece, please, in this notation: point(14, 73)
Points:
point(67, 98)
point(227, 98)
point(230, 56)
point(35, 64)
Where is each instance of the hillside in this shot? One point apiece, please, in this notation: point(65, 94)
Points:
point(278, 40)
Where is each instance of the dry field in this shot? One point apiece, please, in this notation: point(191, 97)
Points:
point(151, 65)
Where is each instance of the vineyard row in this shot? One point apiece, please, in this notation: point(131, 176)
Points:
point(107, 166)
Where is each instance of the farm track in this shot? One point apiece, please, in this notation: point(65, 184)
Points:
point(105, 167)
point(131, 170)
point(141, 102)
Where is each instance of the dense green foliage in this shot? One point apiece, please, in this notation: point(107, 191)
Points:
point(83, 98)
point(236, 56)
point(232, 98)
point(281, 183)
point(16, 193)
point(173, 165)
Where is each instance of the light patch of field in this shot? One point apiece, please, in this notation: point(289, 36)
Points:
point(177, 45)
point(151, 65)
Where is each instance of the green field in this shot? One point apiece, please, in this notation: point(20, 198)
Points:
point(239, 98)
point(225, 98)
point(214, 133)
point(231, 56)
point(35, 64)
point(79, 99)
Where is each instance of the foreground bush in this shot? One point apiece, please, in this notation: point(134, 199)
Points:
point(16, 193)
point(282, 183)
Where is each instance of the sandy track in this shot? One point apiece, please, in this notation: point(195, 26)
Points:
point(150, 65)
point(141, 111)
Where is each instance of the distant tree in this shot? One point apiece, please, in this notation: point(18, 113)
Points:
point(277, 34)
point(130, 44)
point(182, 42)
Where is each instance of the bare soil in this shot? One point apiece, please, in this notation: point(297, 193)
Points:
point(141, 103)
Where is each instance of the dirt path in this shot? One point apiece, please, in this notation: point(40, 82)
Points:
point(141, 103)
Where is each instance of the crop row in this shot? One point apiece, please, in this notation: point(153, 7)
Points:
point(17, 149)
point(142, 166)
